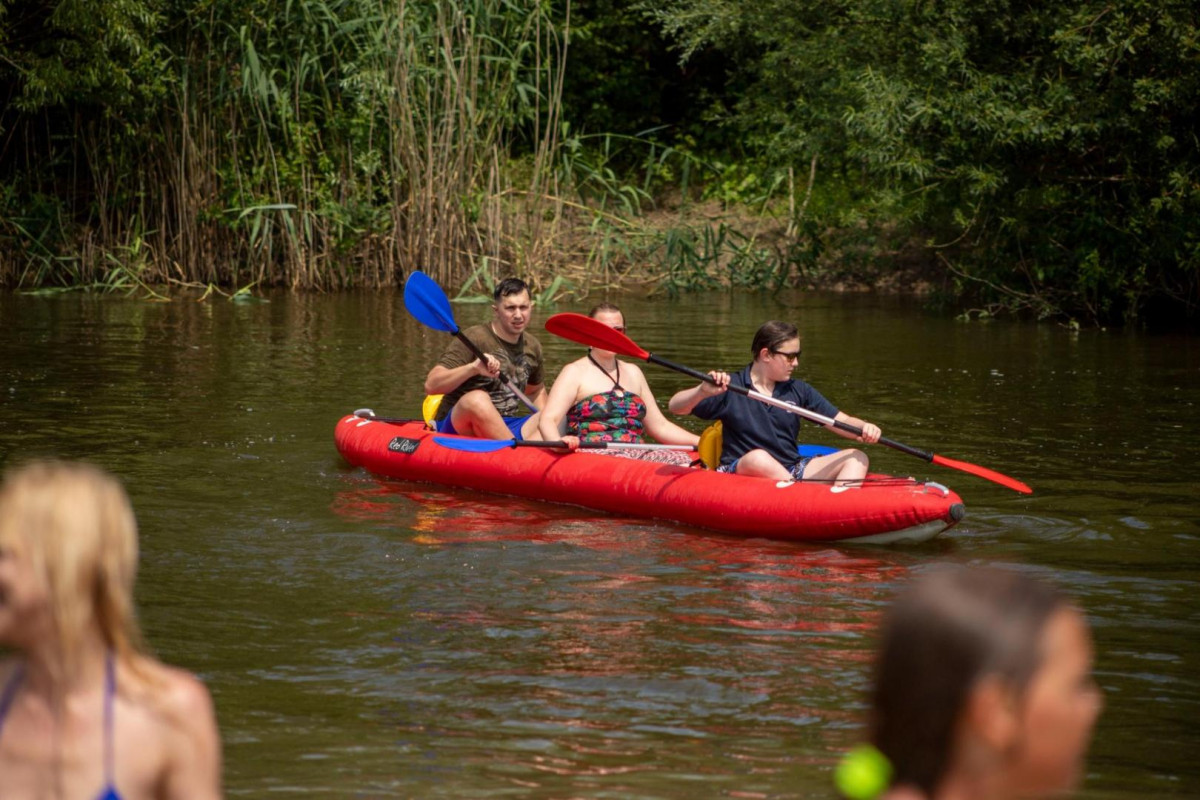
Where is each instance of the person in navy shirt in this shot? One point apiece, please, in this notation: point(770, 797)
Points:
point(760, 440)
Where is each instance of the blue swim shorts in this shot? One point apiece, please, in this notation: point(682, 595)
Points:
point(514, 424)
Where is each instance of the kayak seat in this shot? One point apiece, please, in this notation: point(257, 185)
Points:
point(710, 447)
point(429, 410)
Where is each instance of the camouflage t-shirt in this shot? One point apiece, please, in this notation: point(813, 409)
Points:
point(521, 363)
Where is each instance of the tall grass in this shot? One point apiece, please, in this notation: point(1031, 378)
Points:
point(330, 143)
point(308, 143)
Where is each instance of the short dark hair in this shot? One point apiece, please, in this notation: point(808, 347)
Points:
point(603, 307)
point(772, 334)
point(509, 286)
point(941, 636)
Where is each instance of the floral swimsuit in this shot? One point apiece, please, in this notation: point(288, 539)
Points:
point(617, 416)
point(614, 416)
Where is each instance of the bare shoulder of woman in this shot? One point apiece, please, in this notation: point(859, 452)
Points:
point(183, 694)
point(183, 708)
point(638, 384)
point(569, 371)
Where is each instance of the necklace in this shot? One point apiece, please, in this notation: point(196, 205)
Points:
point(609, 373)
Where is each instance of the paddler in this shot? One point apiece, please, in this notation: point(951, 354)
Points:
point(599, 398)
point(760, 440)
point(477, 402)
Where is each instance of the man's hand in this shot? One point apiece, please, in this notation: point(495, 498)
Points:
point(488, 366)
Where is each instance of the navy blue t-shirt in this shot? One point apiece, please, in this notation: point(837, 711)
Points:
point(747, 424)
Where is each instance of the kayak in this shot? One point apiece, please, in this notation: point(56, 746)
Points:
point(883, 509)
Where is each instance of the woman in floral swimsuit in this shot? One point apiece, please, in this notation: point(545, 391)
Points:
point(601, 399)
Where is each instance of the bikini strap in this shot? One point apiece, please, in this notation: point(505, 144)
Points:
point(617, 380)
point(110, 691)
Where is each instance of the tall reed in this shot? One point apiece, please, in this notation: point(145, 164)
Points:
point(307, 143)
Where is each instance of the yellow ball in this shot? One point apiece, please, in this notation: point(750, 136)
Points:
point(863, 774)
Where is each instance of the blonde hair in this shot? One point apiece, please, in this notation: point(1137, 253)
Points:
point(75, 524)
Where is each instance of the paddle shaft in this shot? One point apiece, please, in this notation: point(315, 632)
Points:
point(790, 408)
point(475, 351)
point(426, 301)
point(585, 330)
point(492, 445)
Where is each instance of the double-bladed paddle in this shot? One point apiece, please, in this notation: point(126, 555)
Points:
point(492, 445)
point(426, 301)
point(585, 330)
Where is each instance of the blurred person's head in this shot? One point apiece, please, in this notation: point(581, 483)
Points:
point(984, 676)
point(68, 559)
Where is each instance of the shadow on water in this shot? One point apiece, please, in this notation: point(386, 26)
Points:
point(377, 639)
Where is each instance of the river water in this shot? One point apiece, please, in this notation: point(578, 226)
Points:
point(369, 639)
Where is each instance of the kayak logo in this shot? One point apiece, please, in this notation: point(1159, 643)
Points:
point(402, 444)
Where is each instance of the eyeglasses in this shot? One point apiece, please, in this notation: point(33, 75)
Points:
point(618, 328)
point(794, 356)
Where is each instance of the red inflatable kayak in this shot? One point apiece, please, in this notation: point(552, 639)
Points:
point(883, 509)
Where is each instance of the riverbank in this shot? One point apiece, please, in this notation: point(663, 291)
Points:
point(674, 247)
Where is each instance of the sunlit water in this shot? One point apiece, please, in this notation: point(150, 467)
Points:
point(372, 639)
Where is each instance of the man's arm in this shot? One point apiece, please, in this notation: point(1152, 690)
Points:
point(442, 380)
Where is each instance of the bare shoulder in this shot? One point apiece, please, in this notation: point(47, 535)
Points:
point(176, 695)
point(186, 694)
point(636, 379)
point(183, 711)
point(570, 371)
point(181, 695)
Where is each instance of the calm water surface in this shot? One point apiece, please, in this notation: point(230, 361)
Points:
point(370, 639)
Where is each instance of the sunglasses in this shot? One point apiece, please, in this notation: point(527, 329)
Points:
point(793, 356)
point(618, 328)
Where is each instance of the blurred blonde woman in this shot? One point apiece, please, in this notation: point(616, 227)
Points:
point(85, 712)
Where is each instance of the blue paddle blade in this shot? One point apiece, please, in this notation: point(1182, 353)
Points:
point(811, 450)
point(426, 301)
point(474, 445)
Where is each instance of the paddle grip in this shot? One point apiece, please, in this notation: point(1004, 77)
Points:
point(883, 440)
point(475, 351)
point(819, 419)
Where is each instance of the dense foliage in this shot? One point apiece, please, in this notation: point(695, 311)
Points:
point(1036, 156)
point(301, 142)
point(1047, 152)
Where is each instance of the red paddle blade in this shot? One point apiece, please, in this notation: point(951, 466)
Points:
point(585, 330)
point(983, 472)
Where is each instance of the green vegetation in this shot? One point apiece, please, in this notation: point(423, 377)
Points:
point(1032, 158)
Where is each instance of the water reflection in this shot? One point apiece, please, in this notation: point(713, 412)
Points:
point(629, 638)
point(378, 639)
